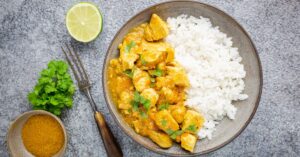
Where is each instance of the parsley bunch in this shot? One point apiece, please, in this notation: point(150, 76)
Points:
point(54, 90)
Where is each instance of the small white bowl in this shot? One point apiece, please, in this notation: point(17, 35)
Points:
point(14, 139)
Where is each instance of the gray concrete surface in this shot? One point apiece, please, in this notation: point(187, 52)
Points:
point(31, 33)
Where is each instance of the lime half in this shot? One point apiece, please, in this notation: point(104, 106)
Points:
point(84, 22)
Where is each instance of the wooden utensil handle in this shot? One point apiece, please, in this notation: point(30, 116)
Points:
point(112, 147)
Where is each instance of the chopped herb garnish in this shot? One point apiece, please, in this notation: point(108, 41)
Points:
point(157, 72)
point(135, 105)
point(147, 104)
point(138, 99)
point(129, 46)
point(176, 133)
point(163, 106)
point(129, 73)
point(143, 61)
point(163, 122)
point(143, 114)
point(192, 128)
point(136, 96)
point(169, 131)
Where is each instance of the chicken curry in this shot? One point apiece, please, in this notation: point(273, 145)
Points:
point(148, 86)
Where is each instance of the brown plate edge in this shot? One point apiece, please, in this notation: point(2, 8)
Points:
point(256, 103)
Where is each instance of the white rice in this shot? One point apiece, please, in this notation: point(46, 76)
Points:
point(213, 68)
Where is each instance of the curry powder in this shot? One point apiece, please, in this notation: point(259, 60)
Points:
point(42, 136)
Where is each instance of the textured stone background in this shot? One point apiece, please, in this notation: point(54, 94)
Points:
point(31, 33)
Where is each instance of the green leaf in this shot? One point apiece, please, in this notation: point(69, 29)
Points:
point(62, 67)
point(147, 104)
point(50, 89)
point(176, 133)
point(163, 122)
point(143, 61)
point(135, 105)
point(45, 80)
point(129, 73)
point(157, 72)
point(136, 96)
point(129, 46)
point(143, 114)
point(54, 102)
point(169, 131)
point(163, 106)
point(192, 128)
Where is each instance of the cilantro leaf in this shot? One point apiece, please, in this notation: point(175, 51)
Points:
point(176, 133)
point(135, 105)
point(143, 114)
point(138, 99)
point(192, 128)
point(163, 106)
point(169, 131)
point(143, 61)
point(129, 46)
point(136, 96)
point(147, 104)
point(157, 72)
point(129, 73)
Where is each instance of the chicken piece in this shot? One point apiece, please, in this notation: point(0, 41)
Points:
point(177, 72)
point(157, 29)
point(144, 126)
point(151, 95)
point(171, 54)
point(178, 111)
point(162, 139)
point(141, 80)
point(188, 141)
point(121, 83)
point(170, 95)
point(164, 82)
point(154, 53)
point(140, 128)
point(127, 55)
point(125, 99)
point(165, 121)
point(192, 122)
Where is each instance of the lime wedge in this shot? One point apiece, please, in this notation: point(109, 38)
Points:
point(84, 22)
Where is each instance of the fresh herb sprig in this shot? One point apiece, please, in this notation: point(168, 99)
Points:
point(137, 100)
point(157, 72)
point(163, 106)
point(54, 90)
point(129, 73)
point(129, 46)
point(174, 134)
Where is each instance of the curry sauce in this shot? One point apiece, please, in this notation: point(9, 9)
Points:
point(148, 87)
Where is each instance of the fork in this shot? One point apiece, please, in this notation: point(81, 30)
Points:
point(110, 143)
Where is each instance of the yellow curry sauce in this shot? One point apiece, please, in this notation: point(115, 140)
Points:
point(148, 86)
point(42, 136)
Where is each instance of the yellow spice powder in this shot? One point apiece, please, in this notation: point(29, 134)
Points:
point(42, 136)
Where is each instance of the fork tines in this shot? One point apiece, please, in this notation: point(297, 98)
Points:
point(75, 63)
